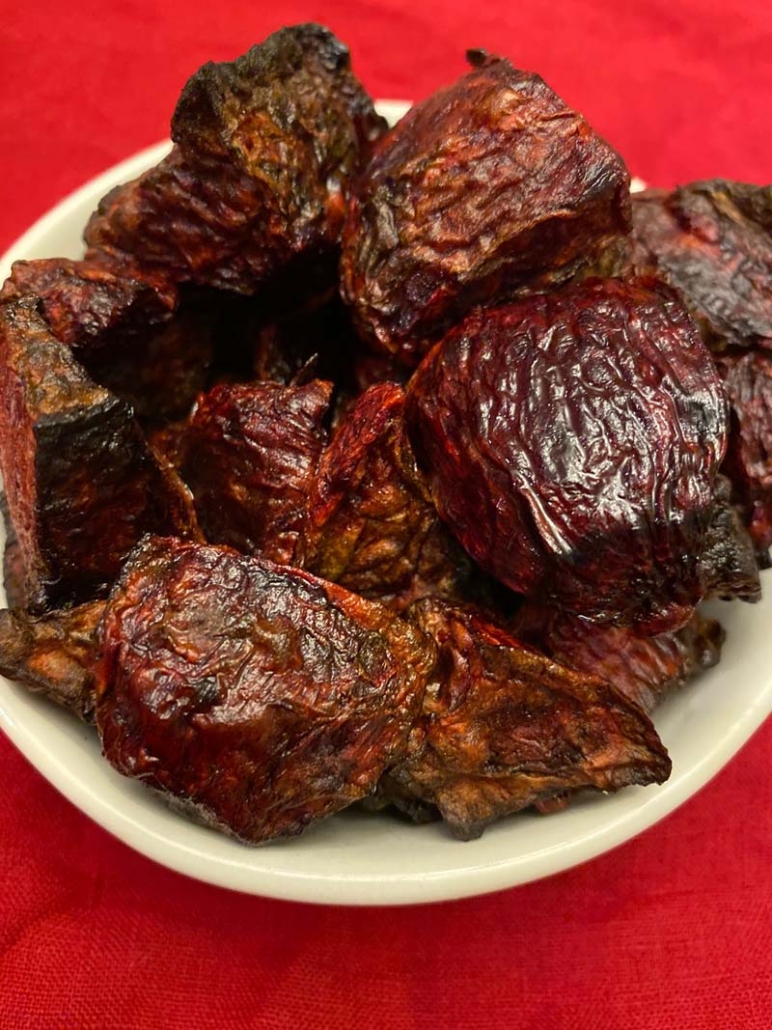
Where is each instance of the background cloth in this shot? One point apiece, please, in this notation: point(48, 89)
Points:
point(673, 929)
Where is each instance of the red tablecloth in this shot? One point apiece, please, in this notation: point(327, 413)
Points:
point(673, 929)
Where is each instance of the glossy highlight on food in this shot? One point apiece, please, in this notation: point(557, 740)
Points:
point(572, 442)
point(256, 695)
point(251, 454)
point(490, 188)
point(384, 469)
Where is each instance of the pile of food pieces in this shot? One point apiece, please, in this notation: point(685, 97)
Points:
point(384, 466)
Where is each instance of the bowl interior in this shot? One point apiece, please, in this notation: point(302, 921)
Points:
point(356, 858)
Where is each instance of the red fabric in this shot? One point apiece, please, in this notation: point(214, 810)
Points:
point(671, 930)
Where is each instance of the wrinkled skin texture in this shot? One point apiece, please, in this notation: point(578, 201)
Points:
point(713, 241)
point(489, 189)
point(268, 146)
point(643, 668)
point(371, 525)
point(56, 654)
point(747, 376)
point(82, 486)
point(503, 728)
point(256, 695)
point(123, 330)
point(251, 454)
point(572, 442)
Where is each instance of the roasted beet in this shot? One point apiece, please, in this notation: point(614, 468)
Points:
point(747, 376)
point(643, 668)
point(491, 188)
point(13, 562)
point(713, 241)
point(259, 697)
point(572, 442)
point(729, 567)
point(87, 307)
point(504, 727)
point(371, 525)
point(123, 330)
point(81, 483)
point(265, 151)
point(250, 456)
point(56, 654)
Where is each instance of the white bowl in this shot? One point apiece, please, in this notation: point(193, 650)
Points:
point(358, 859)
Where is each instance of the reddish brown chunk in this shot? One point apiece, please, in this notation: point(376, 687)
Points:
point(87, 307)
point(713, 241)
point(747, 376)
point(266, 148)
point(123, 330)
point(13, 562)
point(371, 525)
point(503, 728)
point(643, 668)
point(729, 565)
point(251, 454)
point(572, 442)
point(491, 188)
point(257, 696)
point(56, 654)
point(81, 484)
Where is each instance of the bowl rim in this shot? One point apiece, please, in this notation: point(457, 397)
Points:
point(345, 887)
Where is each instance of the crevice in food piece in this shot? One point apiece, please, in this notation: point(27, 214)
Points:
point(250, 455)
point(256, 696)
point(503, 728)
point(266, 150)
point(371, 525)
point(280, 338)
point(82, 486)
point(55, 654)
point(713, 241)
point(572, 443)
point(489, 189)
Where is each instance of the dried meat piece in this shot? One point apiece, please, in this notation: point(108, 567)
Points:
point(572, 442)
point(81, 484)
point(713, 241)
point(251, 454)
point(643, 668)
point(491, 188)
point(56, 654)
point(747, 377)
point(504, 727)
point(266, 149)
point(125, 331)
point(371, 525)
point(259, 697)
